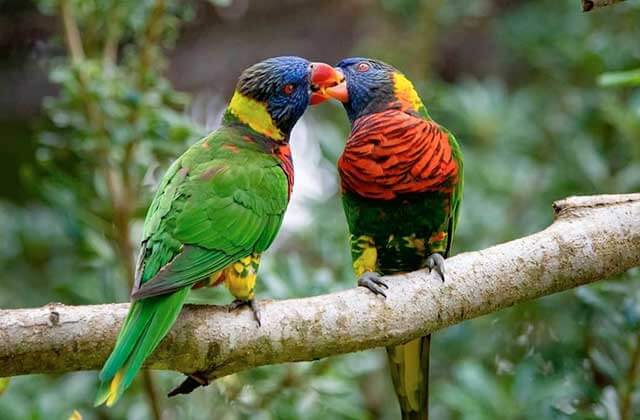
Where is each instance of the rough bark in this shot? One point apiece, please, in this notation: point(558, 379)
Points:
point(590, 239)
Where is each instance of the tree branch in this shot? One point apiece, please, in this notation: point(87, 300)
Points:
point(589, 5)
point(590, 239)
point(71, 32)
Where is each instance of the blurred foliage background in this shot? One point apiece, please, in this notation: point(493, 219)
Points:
point(100, 95)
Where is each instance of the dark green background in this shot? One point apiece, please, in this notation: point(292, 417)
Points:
point(516, 81)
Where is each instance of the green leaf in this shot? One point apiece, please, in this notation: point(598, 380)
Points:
point(620, 78)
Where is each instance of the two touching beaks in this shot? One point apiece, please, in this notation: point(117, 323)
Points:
point(327, 82)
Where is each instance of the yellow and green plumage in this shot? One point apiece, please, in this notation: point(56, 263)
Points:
point(401, 177)
point(218, 207)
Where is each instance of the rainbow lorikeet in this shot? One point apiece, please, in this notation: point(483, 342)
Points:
point(218, 207)
point(401, 179)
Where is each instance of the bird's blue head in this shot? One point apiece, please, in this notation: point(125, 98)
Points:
point(370, 86)
point(273, 94)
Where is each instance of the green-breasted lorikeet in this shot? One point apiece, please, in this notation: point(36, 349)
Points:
point(218, 207)
point(401, 179)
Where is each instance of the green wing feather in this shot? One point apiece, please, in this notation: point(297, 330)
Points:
point(222, 200)
point(456, 198)
point(191, 265)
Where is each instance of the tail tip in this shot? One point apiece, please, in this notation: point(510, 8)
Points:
point(109, 392)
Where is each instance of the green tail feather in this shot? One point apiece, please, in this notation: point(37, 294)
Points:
point(409, 364)
point(147, 322)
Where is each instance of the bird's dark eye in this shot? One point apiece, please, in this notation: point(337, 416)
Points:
point(363, 67)
point(288, 89)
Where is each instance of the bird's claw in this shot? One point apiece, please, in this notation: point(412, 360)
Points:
point(238, 303)
point(436, 262)
point(256, 311)
point(193, 381)
point(373, 281)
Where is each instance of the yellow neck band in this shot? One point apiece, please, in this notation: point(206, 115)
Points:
point(255, 115)
point(405, 92)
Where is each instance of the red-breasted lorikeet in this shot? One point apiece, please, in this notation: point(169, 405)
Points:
point(401, 179)
point(218, 207)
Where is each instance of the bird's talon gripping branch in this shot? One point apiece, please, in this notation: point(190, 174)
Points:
point(436, 262)
point(235, 305)
point(373, 281)
point(238, 303)
point(256, 311)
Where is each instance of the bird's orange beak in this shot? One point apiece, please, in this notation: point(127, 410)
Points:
point(327, 82)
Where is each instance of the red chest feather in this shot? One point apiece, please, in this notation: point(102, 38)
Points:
point(283, 152)
point(393, 152)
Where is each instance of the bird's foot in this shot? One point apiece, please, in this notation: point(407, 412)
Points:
point(373, 281)
point(436, 262)
point(251, 303)
point(193, 381)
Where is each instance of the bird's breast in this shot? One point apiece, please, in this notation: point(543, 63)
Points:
point(392, 153)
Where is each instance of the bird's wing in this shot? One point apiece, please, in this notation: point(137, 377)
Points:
point(209, 213)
